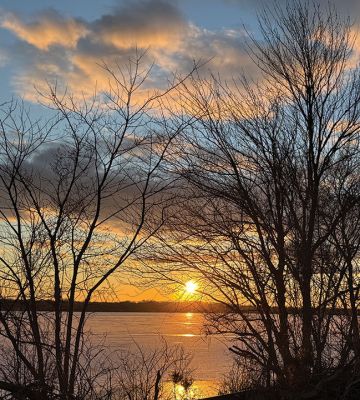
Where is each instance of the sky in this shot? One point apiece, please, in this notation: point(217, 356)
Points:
point(46, 41)
point(65, 41)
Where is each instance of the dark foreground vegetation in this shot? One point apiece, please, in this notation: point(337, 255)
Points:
point(252, 188)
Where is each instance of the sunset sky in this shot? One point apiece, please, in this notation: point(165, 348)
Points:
point(66, 41)
point(43, 39)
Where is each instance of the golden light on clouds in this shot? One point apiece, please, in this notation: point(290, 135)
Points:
point(49, 30)
point(71, 50)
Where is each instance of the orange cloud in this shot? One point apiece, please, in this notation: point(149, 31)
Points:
point(51, 29)
point(154, 26)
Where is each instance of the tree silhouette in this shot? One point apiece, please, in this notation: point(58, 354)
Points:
point(270, 197)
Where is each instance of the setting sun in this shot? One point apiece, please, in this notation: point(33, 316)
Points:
point(190, 287)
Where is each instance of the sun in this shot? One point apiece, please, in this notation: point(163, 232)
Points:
point(190, 287)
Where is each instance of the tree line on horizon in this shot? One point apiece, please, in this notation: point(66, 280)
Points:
point(123, 306)
point(251, 188)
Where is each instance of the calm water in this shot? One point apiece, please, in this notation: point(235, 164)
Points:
point(211, 359)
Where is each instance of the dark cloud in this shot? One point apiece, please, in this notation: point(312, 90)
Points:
point(141, 23)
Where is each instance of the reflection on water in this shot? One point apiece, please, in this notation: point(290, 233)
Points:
point(199, 389)
point(211, 358)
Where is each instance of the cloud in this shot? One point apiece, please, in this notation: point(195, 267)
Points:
point(70, 51)
point(143, 24)
point(49, 30)
point(224, 50)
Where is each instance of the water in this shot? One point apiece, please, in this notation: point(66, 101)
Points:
point(211, 358)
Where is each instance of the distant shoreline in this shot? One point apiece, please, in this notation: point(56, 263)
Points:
point(142, 307)
point(123, 306)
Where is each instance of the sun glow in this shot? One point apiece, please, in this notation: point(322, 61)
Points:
point(190, 287)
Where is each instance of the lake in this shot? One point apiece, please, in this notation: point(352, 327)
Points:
point(211, 358)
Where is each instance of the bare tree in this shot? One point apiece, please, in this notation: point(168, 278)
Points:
point(270, 191)
point(77, 195)
point(240, 377)
point(142, 374)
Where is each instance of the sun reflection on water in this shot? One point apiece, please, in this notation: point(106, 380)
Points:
point(198, 390)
